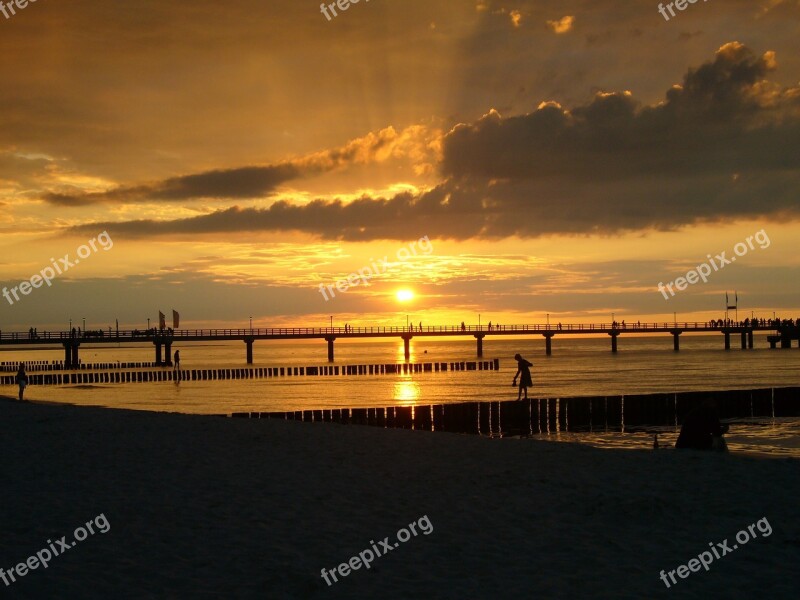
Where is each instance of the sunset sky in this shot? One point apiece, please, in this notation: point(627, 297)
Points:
point(562, 157)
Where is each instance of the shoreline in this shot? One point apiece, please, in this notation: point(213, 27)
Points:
point(785, 392)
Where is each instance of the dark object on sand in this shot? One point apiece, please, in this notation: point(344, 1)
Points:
point(22, 380)
point(702, 430)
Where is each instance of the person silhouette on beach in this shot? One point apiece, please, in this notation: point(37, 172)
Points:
point(701, 430)
point(22, 380)
point(524, 373)
point(176, 361)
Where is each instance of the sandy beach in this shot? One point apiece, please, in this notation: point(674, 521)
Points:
point(211, 507)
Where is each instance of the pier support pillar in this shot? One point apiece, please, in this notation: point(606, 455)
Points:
point(249, 344)
point(406, 346)
point(744, 340)
point(75, 359)
point(480, 346)
point(750, 339)
point(548, 345)
point(330, 339)
point(158, 353)
point(168, 354)
point(676, 341)
point(613, 341)
point(727, 340)
point(68, 351)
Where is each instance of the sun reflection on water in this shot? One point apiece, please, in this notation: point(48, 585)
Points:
point(406, 392)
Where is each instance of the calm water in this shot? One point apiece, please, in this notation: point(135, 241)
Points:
point(578, 367)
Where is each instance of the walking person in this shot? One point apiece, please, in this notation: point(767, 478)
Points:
point(22, 380)
point(524, 373)
point(176, 361)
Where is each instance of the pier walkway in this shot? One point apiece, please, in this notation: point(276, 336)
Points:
point(162, 339)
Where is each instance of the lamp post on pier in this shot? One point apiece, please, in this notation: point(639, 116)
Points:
point(251, 325)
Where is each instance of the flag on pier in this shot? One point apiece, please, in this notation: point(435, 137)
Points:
point(176, 319)
point(735, 305)
point(162, 320)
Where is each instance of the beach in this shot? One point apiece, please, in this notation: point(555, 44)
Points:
point(213, 507)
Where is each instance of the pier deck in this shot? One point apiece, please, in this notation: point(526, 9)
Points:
point(164, 338)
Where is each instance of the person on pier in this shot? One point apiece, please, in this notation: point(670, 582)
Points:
point(524, 373)
point(22, 380)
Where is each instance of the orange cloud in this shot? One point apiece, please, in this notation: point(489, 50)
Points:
point(563, 25)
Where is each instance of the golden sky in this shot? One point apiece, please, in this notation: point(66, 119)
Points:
point(559, 157)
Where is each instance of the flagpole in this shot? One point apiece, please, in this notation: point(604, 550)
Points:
point(726, 309)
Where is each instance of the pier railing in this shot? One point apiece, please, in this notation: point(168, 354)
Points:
point(140, 334)
point(163, 339)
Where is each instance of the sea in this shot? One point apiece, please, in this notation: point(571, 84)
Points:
point(577, 367)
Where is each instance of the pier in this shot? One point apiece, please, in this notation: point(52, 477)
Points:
point(163, 339)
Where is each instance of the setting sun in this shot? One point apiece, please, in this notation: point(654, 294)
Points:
point(404, 295)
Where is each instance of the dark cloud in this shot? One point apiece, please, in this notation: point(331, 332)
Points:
point(259, 181)
point(724, 118)
point(723, 145)
point(244, 182)
point(363, 219)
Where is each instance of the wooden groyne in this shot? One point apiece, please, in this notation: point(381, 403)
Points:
point(33, 366)
point(166, 374)
point(553, 415)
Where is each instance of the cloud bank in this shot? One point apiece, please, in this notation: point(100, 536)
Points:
point(722, 145)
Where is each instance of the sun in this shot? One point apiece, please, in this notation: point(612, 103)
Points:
point(404, 295)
